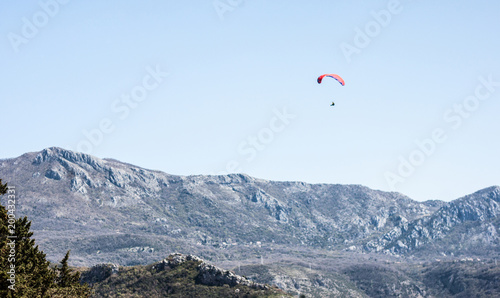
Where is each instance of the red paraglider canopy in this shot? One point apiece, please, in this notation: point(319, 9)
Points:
point(337, 77)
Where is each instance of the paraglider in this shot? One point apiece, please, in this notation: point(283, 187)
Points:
point(336, 77)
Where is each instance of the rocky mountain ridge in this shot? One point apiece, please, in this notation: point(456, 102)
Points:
point(107, 210)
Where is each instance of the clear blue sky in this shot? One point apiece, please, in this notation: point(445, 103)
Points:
point(419, 113)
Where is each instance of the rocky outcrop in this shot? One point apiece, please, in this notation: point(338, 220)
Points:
point(208, 274)
point(211, 275)
point(55, 174)
point(98, 273)
point(175, 260)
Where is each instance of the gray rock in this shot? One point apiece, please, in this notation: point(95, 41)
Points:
point(54, 174)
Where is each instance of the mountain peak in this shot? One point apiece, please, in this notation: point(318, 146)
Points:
point(59, 154)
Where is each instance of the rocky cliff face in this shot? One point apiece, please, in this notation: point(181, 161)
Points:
point(110, 211)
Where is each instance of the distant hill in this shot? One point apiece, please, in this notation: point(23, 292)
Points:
point(176, 276)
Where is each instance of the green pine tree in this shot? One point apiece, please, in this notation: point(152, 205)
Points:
point(68, 283)
point(65, 278)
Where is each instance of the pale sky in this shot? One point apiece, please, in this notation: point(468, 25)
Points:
point(211, 87)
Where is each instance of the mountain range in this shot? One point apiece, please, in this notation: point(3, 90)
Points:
point(107, 211)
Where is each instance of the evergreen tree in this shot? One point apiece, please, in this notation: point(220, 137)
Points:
point(65, 278)
point(68, 283)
